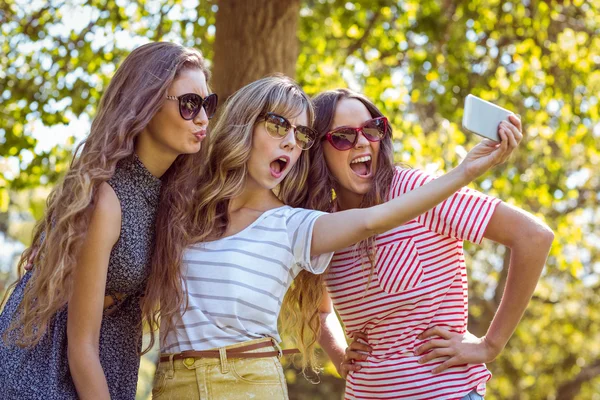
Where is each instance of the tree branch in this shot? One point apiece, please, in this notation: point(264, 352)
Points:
point(159, 29)
point(358, 43)
point(584, 196)
point(569, 389)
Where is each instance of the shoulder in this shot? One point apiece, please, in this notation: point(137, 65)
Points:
point(106, 214)
point(407, 179)
point(106, 200)
point(298, 217)
point(402, 174)
point(297, 211)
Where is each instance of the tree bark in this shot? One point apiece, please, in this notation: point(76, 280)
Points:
point(253, 38)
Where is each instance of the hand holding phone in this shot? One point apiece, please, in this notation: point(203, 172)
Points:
point(482, 117)
point(489, 153)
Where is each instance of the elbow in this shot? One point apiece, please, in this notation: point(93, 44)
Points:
point(544, 237)
point(324, 317)
point(80, 352)
point(537, 237)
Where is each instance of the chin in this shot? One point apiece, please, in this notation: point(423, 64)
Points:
point(361, 189)
point(266, 183)
point(192, 149)
point(272, 185)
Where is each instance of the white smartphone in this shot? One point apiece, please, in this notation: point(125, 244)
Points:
point(482, 117)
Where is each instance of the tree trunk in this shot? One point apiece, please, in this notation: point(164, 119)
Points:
point(253, 38)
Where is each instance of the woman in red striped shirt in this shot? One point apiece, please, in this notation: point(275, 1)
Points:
point(406, 289)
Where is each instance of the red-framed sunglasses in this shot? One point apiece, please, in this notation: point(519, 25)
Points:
point(345, 138)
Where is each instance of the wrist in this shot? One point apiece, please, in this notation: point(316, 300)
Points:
point(463, 175)
point(495, 346)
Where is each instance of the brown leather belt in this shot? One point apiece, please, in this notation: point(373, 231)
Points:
point(237, 352)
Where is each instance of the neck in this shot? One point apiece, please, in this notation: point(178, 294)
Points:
point(347, 200)
point(254, 197)
point(155, 159)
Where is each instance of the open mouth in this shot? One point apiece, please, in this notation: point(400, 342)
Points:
point(361, 166)
point(278, 166)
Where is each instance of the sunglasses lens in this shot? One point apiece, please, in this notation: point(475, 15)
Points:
point(343, 139)
point(189, 105)
point(276, 126)
point(210, 105)
point(305, 137)
point(374, 130)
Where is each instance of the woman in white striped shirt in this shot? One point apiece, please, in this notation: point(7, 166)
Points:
point(246, 240)
point(406, 288)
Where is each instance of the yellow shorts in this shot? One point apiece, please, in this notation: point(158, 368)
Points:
point(214, 378)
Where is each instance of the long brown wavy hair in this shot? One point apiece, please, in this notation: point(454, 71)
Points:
point(221, 175)
point(135, 94)
point(301, 303)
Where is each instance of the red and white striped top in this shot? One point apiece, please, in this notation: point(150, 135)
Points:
point(419, 281)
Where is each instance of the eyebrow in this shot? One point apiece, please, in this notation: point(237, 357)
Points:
point(351, 126)
point(195, 91)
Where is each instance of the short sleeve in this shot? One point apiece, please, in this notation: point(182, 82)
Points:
point(464, 215)
point(300, 224)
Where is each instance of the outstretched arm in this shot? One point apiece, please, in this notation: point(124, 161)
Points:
point(339, 230)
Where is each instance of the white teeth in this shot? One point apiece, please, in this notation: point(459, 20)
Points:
point(283, 159)
point(361, 159)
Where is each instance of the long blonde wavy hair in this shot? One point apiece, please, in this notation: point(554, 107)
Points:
point(135, 94)
point(303, 299)
point(221, 175)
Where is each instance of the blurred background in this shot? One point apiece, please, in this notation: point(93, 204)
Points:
point(418, 60)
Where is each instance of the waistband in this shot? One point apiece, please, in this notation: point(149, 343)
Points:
point(235, 351)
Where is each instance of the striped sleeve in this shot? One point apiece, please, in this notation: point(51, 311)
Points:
point(464, 215)
point(300, 223)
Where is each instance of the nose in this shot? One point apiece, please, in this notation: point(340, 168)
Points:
point(201, 118)
point(289, 141)
point(361, 141)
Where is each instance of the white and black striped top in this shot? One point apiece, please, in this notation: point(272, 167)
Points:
point(236, 284)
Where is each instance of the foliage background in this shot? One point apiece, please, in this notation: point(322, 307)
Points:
point(417, 60)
